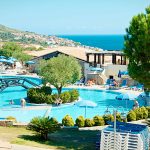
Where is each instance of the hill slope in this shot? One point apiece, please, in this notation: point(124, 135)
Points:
point(13, 35)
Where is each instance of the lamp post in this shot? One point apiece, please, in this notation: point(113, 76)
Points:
point(115, 110)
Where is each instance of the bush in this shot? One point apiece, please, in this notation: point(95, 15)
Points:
point(65, 97)
point(118, 117)
point(46, 89)
point(98, 121)
point(74, 95)
point(67, 121)
point(43, 126)
point(43, 95)
point(89, 122)
point(11, 118)
point(80, 121)
point(131, 116)
point(148, 109)
point(139, 114)
point(145, 112)
point(108, 117)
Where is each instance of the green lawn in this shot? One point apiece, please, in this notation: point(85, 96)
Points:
point(63, 139)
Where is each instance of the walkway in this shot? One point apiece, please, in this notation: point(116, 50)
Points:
point(8, 146)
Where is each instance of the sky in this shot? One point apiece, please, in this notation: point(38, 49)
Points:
point(67, 17)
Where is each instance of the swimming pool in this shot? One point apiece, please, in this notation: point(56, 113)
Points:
point(103, 98)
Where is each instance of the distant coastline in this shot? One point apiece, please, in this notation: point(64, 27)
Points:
point(106, 42)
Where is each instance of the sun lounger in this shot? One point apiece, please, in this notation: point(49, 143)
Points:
point(124, 84)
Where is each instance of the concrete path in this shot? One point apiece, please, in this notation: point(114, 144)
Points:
point(7, 146)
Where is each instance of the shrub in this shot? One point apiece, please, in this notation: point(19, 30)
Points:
point(80, 121)
point(65, 97)
point(118, 117)
point(89, 122)
point(67, 121)
point(108, 117)
point(148, 109)
point(46, 89)
point(74, 95)
point(98, 121)
point(11, 118)
point(145, 112)
point(131, 116)
point(43, 126)
point(139, 114)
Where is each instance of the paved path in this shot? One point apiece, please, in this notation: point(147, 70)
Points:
point(8, 146)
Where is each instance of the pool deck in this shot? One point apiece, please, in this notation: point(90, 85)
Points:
point(101, 87)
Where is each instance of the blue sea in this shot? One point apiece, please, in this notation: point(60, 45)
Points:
point(106, 42)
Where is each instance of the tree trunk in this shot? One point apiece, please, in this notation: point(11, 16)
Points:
point(59, 89)
point(45, 136)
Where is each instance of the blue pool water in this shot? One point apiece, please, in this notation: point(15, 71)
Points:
point(103, 99)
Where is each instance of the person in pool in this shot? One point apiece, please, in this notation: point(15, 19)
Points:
point(23, 102)
point(11, 102)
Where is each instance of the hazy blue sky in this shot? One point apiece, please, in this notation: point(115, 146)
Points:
point(70, 16)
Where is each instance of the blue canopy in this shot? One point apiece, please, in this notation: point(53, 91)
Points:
point(126, 96)
point(10, 61)
point(96, 69)
point(12, 58)
point(30, 62)
point(86, 103)
point(3, 60)
point(2, 57)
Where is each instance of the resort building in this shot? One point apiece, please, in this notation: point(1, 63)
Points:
point(98, 65)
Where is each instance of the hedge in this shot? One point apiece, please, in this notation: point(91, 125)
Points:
point(98, 121)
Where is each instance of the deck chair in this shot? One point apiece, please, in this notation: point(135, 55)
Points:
point(124, 84)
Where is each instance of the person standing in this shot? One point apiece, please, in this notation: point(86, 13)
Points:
point(23, 102)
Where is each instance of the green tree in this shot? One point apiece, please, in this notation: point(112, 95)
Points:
point(21, 56)
point(137, 48)
point(43, 126)
point(60, 71)
point(9, 48)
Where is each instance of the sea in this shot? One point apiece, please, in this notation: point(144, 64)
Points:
point(105, 42)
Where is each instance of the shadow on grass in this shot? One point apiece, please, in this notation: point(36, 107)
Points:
point(67, 139)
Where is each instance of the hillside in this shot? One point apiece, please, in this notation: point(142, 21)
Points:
point(24, 37)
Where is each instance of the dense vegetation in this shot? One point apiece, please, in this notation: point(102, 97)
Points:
point(12, 49)
point(60, 71)
point(13, 35)
point(137, 48)
point(139, 113)
point(44, 95)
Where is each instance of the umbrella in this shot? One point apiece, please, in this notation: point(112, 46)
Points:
point(96, 69)
point(10, 61)
point(3, 60)
point(12, 58)
point(143, 95)
point(2, 57)
point(30, 62)
point(126, 96)
point(86, 103)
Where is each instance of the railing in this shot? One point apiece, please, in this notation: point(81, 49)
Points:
point(11, 82)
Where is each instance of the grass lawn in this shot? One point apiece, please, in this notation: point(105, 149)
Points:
point(64, 139)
